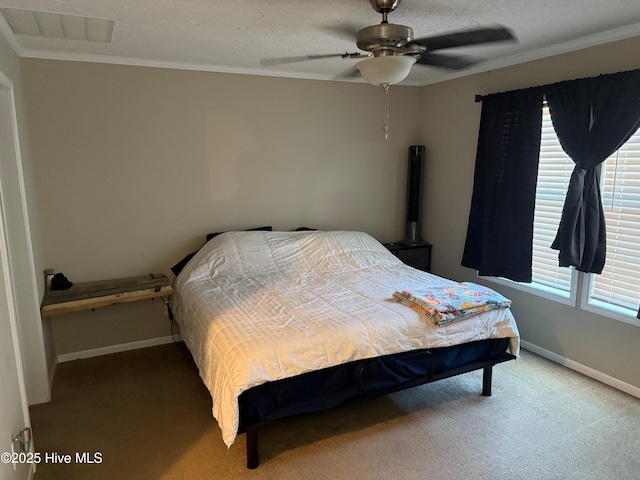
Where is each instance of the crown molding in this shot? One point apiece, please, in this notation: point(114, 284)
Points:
point(7, 33)
point(142, 62)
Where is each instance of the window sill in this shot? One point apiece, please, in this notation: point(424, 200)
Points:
point(570, 299)
point(566, 298)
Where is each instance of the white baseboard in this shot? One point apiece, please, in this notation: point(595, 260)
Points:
point(123, 347)
point(543, 352)
point(578, 367)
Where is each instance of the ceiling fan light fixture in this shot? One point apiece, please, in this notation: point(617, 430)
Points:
point(386, 70)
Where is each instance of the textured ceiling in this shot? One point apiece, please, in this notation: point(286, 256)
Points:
point(235, 35)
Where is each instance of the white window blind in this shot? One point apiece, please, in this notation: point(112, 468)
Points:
point(554, 173)
point(619, 283)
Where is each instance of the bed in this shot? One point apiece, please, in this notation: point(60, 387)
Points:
point(288, 323)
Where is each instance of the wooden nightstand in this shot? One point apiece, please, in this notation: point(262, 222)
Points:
point(416, 256)
point(90, 295)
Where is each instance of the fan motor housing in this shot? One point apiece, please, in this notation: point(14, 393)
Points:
point(384, 5)
point(384, 35)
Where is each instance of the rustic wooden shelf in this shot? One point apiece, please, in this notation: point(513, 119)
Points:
point(102, 293)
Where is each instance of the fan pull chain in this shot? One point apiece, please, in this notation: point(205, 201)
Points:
point(385, 125)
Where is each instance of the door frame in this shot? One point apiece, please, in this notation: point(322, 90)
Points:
point(26, 295)
point(13, 317)
point(7, 94)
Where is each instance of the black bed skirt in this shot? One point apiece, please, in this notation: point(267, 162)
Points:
point(324, 389)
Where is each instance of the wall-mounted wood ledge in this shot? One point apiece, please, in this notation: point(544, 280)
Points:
point(102, 293)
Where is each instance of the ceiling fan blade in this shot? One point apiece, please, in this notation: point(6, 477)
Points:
point(269, 62)
point(466, 37)
point(446, 61)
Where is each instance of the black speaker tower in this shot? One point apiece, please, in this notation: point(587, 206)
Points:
point(413, 227)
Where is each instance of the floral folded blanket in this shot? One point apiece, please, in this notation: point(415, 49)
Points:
point(446, 304)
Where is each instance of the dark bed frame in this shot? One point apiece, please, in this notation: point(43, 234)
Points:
point(324, 389)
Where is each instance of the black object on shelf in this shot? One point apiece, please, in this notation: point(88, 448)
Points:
point(60, 282)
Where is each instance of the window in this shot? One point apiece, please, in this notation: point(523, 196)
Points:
point(615, 292)
point(554, 173)
point(618, 287)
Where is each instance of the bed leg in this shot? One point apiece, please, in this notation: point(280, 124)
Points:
point(252, 449)
point(486, 381)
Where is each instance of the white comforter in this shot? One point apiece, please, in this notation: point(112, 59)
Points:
point(260, 306)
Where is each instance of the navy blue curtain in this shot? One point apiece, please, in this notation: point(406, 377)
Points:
point(593, 118)
point(500, 231)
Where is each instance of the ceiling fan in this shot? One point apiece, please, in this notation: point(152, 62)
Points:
point(392, 50)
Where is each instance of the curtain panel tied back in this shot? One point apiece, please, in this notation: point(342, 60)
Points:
point(593, 118)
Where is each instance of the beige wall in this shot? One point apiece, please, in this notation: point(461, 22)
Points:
point(450, 122)
point(133, 166)
point(21, 217)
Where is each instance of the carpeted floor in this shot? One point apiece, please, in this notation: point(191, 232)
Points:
point(147, 415)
